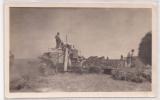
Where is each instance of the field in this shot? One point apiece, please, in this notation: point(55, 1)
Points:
point(25, 77)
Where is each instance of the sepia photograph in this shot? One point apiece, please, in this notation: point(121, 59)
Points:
point(80, 49)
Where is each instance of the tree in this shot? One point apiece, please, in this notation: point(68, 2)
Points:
point(145, 49)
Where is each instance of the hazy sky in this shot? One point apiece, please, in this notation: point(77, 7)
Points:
point(95, 32)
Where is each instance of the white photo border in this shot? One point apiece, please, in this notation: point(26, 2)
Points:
point(152, 93)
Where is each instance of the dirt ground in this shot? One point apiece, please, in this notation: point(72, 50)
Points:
point(27, 74)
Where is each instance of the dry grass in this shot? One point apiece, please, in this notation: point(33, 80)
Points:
point(27, 75)
point(89, 83)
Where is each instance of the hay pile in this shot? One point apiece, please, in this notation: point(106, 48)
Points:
point(128, 75)
point(51, 62)
point(46, 70)
point(147, 73)
point(139, 73)
point(95, 61)
point(104, 63)
point(94, 64)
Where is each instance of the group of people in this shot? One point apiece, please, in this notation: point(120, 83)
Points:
point(129, 59)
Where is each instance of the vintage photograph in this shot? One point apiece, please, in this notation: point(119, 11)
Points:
point(80, 49)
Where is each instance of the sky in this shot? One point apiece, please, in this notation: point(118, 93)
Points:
point(93, 31)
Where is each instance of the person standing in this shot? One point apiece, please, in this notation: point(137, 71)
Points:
point(58, 40)
point(121, 57)
point(129, 59)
